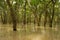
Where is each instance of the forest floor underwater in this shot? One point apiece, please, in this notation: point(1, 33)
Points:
point(6, 33)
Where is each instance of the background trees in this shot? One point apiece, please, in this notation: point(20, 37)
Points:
point(37, 12)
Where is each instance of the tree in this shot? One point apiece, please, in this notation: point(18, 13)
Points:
point(13, 15)
point(51, 21)
point(46, 13)
point(3, 8)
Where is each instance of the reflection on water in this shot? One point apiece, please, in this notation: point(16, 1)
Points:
point(6, 33)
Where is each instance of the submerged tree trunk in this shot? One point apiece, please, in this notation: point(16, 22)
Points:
point(39, 20)
point(13, 15)
point(4, 17)
point(24, 14)
point(35, 15)
point(51, 21)
point(46, 13)
point(45, 19)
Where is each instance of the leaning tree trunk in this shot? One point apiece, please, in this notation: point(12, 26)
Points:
point(13, 15)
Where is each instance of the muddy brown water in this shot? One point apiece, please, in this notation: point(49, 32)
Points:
point(6, 33)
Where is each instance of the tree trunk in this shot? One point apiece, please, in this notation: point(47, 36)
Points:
point(45, 19)
point(46, 13)
point(51, 21)
point(39, 20)
point(35, 15)
point(13, 15)
point(24, 15)
point(4, 18)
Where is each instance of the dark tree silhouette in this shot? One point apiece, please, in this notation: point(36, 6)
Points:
point(13, 15)
point(51, 21)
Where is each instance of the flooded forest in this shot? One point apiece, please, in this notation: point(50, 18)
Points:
point(29, 19)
